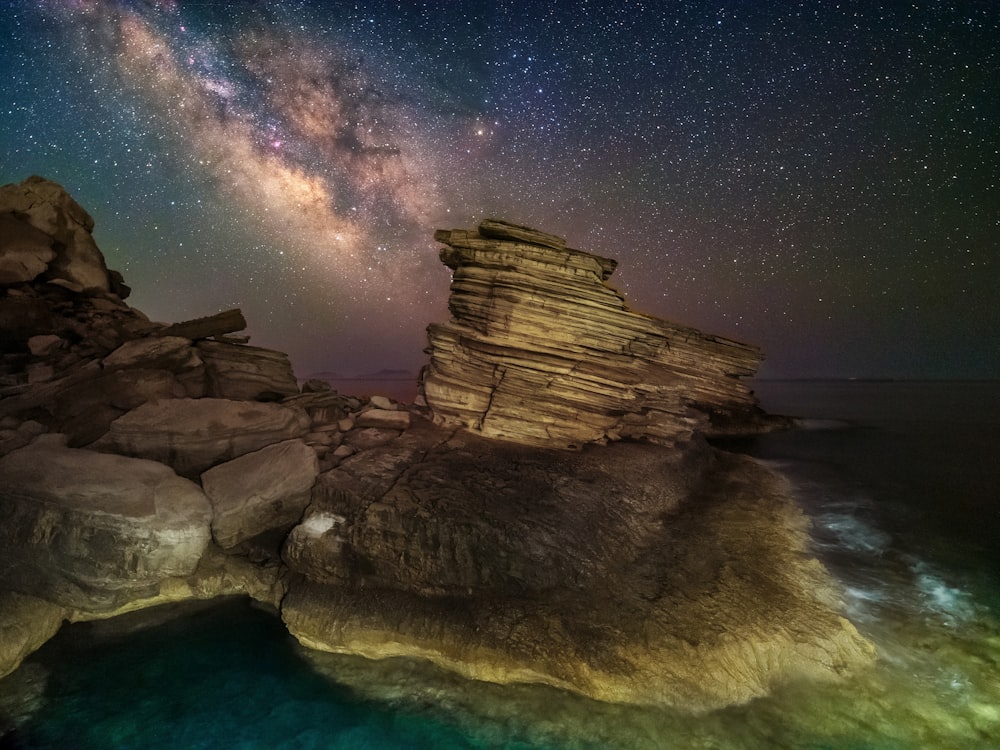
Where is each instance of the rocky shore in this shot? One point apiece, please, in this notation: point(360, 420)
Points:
point(143, 463)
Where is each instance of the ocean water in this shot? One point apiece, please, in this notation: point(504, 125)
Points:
point(901, 481)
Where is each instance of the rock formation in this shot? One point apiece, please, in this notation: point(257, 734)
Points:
point(144, 463)
point(540, 350)
point(627, 572)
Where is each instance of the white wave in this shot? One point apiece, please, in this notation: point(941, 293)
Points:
point(953, 605)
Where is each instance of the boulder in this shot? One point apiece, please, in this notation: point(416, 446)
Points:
point(237, 371)
point(192, 435)
point(25, 252)
point(48, 208)
point(541, 350)
point(26, 622)
point(93, 531)
point(385, 419)
point(158, 352)
point(259, 491)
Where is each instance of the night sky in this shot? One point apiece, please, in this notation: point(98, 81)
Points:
point(818, 178)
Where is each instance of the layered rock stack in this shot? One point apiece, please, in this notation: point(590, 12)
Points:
point(541, 350)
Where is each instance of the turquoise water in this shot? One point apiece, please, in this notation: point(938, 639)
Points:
point(900, 480)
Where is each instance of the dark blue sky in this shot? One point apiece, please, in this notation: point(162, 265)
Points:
point(817, 178)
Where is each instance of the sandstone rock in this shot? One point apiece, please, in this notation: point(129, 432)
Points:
point(25, 252)
point(384, 419)
point(211, 325)
point(47, 207)
point(85, 410)
point(314, 385)
point(45, 344)
point(192, 435)
point(159, 352)
point(508, 563)
point(39, 372)
point(92, 531)
point(266, 489)
point(503, 230)
point(381, 402)
point(25, 624)
point(369, 437)
point(247, 372)
point(541, 351)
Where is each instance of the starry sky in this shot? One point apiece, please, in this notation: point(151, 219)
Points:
point(819, 178)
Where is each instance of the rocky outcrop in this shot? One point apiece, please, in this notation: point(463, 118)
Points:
point(192, 435)
point(100, 408)
point(26, 623)
point(541, 350)
point(61, 247)
point(627, 572)
point(143, 463)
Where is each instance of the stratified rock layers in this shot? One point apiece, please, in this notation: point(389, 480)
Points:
point(540, 350)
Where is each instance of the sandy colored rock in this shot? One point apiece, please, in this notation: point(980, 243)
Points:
point(26, 622)
point(192, 435)
point(243, 372)
point(541, 351)
point(45, 344)
point(627, 573)
point(25, 252)
point(159, 352)
point(384, 419)
point(266, 489)
point(90, 530)
point(48, 208)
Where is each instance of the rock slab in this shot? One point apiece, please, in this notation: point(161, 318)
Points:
point(259, 491)
point(94, 531)
point(627, 572)
point(192, 435)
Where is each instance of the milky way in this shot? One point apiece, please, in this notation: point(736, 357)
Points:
point(819, 179)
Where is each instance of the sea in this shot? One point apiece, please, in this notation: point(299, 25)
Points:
point(901, 481)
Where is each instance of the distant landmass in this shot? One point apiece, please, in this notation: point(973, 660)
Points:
point(380, 375)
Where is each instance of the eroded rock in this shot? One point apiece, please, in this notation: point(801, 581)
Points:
point(628, 572)
point(26, 622)
point(266, 489)
point(45, 206)
point(92, 531)
point(192, 435)
point(541, 351)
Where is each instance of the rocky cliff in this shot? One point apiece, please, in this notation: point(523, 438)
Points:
point(144, 463)
point(541, 350)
